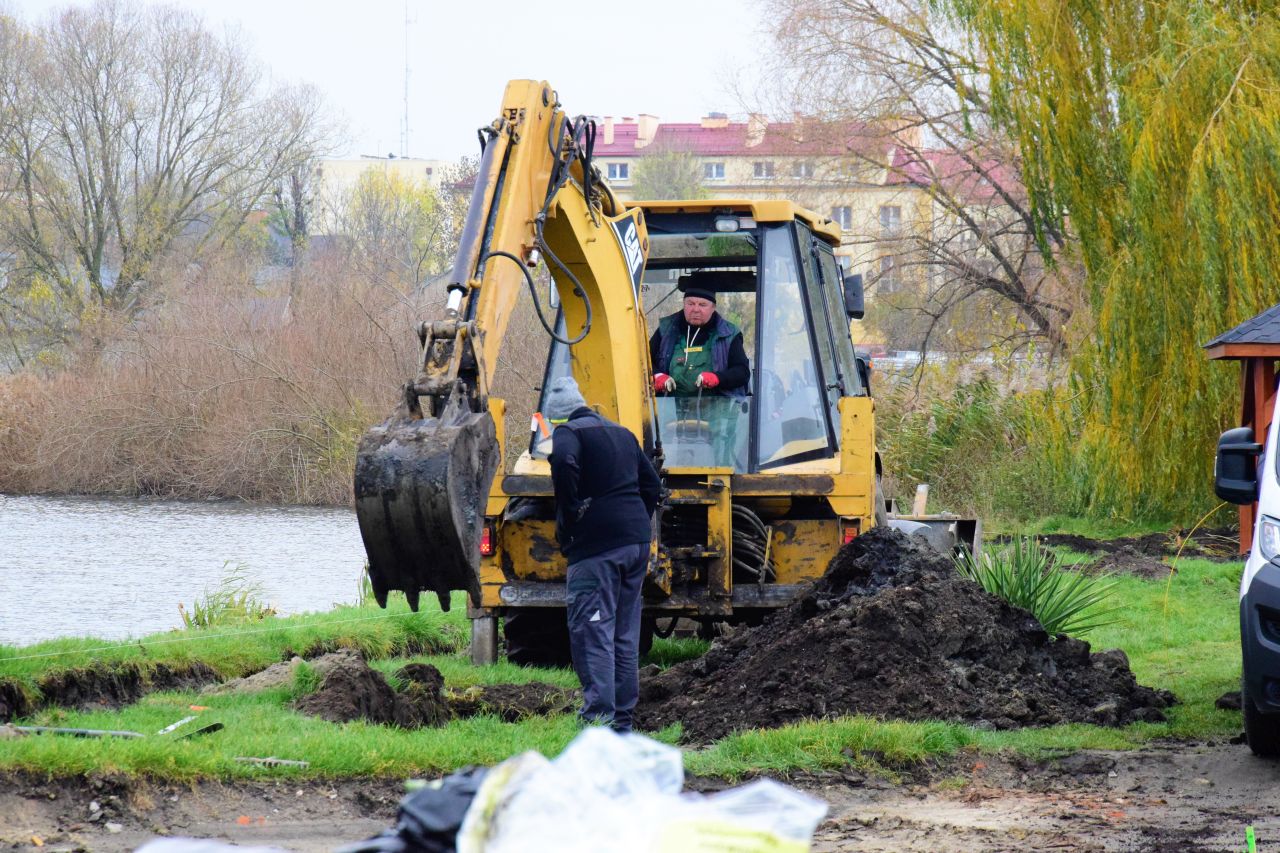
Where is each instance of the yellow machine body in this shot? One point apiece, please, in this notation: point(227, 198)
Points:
point(762, 490)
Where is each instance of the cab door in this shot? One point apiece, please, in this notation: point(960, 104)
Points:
point(798, 381)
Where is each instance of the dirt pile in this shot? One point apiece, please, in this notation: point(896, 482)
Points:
point(352, 690)
point(891, 630)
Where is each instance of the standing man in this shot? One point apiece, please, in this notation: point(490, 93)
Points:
point(606, 491)
point(695, 348)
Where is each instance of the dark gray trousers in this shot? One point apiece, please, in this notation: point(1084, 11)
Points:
point(603, 604)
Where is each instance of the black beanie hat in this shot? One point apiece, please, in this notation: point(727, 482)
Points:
point(701, 293)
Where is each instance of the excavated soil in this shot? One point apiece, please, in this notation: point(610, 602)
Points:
point(352, 690)
point(101, 686)
point(891, 630)
point(1216, 543)
point(513, 702)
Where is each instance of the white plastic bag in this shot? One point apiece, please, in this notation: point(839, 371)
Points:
point(609, 792)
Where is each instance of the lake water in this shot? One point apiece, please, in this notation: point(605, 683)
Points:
point(119, 568)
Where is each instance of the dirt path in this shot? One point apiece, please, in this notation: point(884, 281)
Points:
point(1187, 797)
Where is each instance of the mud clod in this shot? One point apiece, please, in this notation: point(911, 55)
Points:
point(891, 630)
point(352, 690)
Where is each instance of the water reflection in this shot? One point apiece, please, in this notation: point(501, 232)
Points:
point(118, 568)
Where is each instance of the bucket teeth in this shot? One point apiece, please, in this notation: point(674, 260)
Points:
point(420, 488)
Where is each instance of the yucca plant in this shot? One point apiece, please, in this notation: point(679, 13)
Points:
point(1027, 576)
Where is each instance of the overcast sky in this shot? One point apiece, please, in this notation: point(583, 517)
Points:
point(677, 59)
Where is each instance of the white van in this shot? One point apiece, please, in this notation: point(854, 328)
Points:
point(1239, 477)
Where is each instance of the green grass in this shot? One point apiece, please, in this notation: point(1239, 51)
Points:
point(1180, 635)
point(236, 650)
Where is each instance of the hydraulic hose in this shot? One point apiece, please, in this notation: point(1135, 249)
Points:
point(537, 303)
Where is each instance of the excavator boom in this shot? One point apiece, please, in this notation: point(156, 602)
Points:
point(423, 475)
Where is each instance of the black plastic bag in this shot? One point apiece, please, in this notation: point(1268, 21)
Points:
point(429, 818)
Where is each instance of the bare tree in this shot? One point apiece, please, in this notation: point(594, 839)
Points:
point(137, 131)
point(909, 100)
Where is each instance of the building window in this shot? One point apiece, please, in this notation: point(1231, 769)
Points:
point(843, 216)
point(802, 169)
point(888, 280)
point(713, 171)
point(763, 169)
point(619, 171)
point(890, 220)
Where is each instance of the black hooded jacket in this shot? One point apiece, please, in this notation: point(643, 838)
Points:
point(606, 488)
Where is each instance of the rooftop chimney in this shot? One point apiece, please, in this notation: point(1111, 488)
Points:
point(756, 125)
point(646, 130)
point(714, 120)
point(607, 128)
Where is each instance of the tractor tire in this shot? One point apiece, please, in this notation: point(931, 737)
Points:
point(1262, 731)
point(537, 636)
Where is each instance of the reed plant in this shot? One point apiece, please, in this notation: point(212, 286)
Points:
point(237, 600)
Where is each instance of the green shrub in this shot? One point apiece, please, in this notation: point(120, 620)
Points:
point(1027, 576)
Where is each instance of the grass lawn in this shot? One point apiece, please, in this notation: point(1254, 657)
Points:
point(1180, 635)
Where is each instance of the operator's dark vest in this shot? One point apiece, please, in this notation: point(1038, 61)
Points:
point(722, 336)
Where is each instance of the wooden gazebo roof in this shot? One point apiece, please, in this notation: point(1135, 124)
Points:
point(1256, 337)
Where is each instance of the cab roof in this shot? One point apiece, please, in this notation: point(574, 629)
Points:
point(762, 210)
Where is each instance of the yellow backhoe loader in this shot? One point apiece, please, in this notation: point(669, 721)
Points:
point(761, 490)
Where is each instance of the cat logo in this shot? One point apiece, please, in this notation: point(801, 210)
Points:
point(629, 240)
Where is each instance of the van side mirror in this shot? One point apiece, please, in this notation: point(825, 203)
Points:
point(853, 296)
point(864, 372)
point(1235, 471)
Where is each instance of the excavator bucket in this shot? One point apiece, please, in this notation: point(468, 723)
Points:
point(420, 486)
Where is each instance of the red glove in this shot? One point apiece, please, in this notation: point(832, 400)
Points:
point(663, 383)
point(708, 380)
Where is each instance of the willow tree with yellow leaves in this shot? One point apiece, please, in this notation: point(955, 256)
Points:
point(1153, 130)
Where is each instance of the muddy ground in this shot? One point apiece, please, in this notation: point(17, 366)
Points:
point(1145, 556)
point(1185, 797)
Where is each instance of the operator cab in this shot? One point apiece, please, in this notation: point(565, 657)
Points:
point(780, 284)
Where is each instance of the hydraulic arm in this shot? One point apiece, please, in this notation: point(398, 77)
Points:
point(423, 475)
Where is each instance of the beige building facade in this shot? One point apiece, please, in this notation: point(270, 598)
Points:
point(841, 178)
